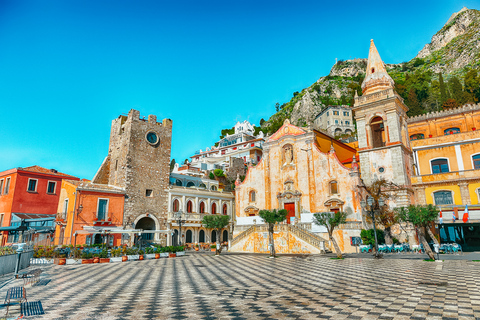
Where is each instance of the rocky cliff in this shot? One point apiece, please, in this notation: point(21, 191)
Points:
point(453, 50)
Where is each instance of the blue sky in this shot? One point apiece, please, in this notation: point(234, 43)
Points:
point(67, 68)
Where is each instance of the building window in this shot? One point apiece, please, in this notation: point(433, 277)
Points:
point(417, 136)
point(378, 132)
point(439, 166)
point(347, 123)
point(335, 113)
point(327, 114)
point(213, 188)
point(475, 158)
point(176, 205)
point(346, 113)
point(102, 211)
point(65, 208)
point(1, 219)
point(224, 210)
point(32, 185)
point(149, 193)
point(252, 196)
point(7, 186)
point(328, 122)
point(178, 183)
point(451, 131)
point(189, 206)
point(333, 187)
point(1, 188)
point(214, 208)
point(190, 184)
point(443, 197)
point(202, 207)
point(51, 187)
point(336, 121)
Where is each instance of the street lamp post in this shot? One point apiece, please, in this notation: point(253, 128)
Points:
point(370, 202)
point(178, 216)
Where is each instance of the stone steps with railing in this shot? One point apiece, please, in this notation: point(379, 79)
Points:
point(300, 233)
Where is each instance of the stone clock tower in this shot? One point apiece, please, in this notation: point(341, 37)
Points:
point(384, 147)
point(139, 161)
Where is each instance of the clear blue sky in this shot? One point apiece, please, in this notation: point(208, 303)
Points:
point(67, 68)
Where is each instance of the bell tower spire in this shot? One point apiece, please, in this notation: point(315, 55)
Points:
point(376, 76)
point(381, 115)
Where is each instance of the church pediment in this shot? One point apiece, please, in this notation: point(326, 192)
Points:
point(286, 130)
point(334, 202)
point(251, 209)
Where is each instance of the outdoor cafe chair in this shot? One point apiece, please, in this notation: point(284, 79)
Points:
point(365, 248)
point(456, 248)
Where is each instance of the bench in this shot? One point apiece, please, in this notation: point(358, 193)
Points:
point(31, 276)
point(17, 294)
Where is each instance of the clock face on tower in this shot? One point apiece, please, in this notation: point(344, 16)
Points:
point(152, 138)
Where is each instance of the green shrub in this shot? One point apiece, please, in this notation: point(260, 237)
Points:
point(368, 236)
point(218, 173)
point(87, 255)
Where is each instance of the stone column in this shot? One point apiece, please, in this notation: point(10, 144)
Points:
point(464, 193)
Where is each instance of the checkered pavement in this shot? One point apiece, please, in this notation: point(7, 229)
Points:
point(200, 286)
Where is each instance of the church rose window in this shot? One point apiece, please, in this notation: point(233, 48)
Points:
point(152, 137)
point(439, 166)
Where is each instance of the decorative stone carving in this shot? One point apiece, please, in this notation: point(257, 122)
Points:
point(287, 154)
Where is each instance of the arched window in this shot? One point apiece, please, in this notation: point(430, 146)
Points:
point(190, 184)
point(224, 209)
point(189, 236)
point(225, 236)
point(443, 197)
point(201, 236)
point(378, 132)
point(189, 206)
point(178, 183)
point(214, 236)
point(417, 136)
point(451, 131)
point(202, 186)
point(476, 161)
point(214, 208)
point(338, 132)
point(333, 187)
point(439, 165)
point(214, 188)
point(202, 207)
point(176, 205)
point(252, 196)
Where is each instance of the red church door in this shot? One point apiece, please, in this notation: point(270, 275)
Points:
point(290, 207)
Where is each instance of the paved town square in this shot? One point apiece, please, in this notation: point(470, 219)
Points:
point(201, 286)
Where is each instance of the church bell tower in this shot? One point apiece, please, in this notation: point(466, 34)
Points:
point(384, 147)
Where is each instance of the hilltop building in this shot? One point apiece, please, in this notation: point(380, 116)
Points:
point(242, 144)
point(28, 203)
point(335, 120)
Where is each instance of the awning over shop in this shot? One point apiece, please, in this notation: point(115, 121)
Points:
point(14, 228)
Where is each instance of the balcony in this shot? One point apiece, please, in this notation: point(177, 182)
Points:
point(191, 219)
point(447, 176)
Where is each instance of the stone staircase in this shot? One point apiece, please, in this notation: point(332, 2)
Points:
point(258, 233)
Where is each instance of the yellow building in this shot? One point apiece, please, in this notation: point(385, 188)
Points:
point(446, 151)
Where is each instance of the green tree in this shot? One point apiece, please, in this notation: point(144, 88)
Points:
point(277, 107)
point(218, 173)
point(450, 104)
point(217, 222)
point(472, 85)
point(443, 89)
point(413, 104)
point(368, 236)
point(331, 220)
point(456, 90)
point(227, 131)
point(271, 217)
point(172, 165)
point(421, 217)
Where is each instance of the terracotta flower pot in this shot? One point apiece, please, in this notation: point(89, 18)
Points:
point(140, 257)
point(157, 255)
point(124, 258)
point(104, 260)
point(60, 261)
point(196, 248)
point(172, 255)
point(213, 250)
point(96, 260)
point(87, 261)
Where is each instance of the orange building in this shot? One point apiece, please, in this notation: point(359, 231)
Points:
point(28, 202)
point(89, 213)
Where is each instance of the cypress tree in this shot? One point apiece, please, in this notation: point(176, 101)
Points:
point(443, 91)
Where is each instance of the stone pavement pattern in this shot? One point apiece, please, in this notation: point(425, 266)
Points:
point(256, 287)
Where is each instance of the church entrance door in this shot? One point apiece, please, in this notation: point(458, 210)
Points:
point(290, 207)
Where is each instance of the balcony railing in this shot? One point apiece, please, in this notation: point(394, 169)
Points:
point(189, 216)
point(452, 176)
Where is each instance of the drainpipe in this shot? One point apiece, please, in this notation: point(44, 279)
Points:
point(73, 216)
